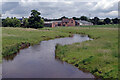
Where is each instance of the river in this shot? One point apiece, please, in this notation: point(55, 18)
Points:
point(39, 61)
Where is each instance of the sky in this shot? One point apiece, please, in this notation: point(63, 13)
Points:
point(58, 8)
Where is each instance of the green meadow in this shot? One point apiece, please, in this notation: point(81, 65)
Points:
point(98, 56)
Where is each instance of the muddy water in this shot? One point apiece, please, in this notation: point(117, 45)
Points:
point(39, 61)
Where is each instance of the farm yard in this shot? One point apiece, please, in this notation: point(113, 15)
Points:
point(98, 56)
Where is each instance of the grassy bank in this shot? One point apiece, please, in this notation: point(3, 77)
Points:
point(18, 38)
point(99, 56)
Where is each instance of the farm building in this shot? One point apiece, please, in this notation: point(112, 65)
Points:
point(66, 22)
point(84, 22)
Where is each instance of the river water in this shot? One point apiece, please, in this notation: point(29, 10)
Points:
point(39, 61)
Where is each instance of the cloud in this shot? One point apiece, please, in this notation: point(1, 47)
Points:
point(105, 4)
point(59, 8)
point(113, 13)
point(8, 13)
point(89, 4)
point(9, 6)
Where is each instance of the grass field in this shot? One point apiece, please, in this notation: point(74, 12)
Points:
point(99, 56)
point(103, 26)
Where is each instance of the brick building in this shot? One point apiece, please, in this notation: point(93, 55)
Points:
point(66, 22)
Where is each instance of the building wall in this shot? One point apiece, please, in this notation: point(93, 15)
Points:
point(55, 24)
point(86, 24)
point(48, 24)
point(71, 22)
point(77, 24)
point(68, 22)
point(64, 22)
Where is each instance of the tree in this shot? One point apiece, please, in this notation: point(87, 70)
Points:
point(35, 20)
point(75, 18)
point(107, 21)
point(16, 22)
point(101, 23)
point(84, 18)
point(115, 21)
point(63, 17)
point(11, 22)
point(96, 20)
point(25, 22)
point(7, 22)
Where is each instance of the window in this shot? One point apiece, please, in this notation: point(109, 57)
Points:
point(59, 24)
point(71, 21)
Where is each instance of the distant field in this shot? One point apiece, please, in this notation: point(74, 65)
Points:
point(110, 25)
point(99, 56)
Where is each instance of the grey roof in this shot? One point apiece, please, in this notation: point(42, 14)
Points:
point(83, 22)
point(52, 21)
point(65, 20)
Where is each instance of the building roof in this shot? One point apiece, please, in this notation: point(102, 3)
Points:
point(65, 20)
point(83, 22)
point(52, 21)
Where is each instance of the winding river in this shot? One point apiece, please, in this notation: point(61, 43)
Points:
point(39, 61)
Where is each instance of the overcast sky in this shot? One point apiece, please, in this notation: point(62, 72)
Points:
point(59, 8)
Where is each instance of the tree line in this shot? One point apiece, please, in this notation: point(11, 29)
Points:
point(35, 21)
point(95, 20)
